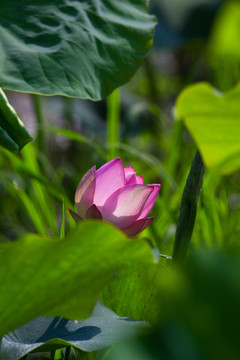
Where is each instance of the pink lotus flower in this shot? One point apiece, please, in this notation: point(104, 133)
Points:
point(115, 194)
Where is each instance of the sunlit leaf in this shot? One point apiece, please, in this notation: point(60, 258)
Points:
point(13, 135)
point(133, 291)
point(73, 48)
point(45, 276)
point(213, 120)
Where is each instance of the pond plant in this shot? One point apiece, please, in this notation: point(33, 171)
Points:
point(109, 90)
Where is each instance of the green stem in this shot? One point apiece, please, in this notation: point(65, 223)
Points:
point(173, 155)
point(40, 121)
point(113, 123)
point(152, 80)
point(188, 210)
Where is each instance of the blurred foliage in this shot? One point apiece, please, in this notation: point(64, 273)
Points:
point(180, 22)
point(200, 313)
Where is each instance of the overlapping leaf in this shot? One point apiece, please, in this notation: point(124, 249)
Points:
point(43, 276)
point(102, 328)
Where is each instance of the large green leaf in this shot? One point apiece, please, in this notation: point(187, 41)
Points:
point(213, 119)
point(102, 328)
point(13, 135)
point(44, 276)
point(73, 48)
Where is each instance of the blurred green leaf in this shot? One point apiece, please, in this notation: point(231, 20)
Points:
point(213, 120)
point(101, 329)
point(72, 135)
point(201, 300)
point(224, 40)
point(200, 312)
point(62, 230)
point(13, 135)
point(44, 276)
point(72, 47)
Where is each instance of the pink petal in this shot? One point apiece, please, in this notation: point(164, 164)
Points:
point(137, 227)
point(150, 201)
point(128, 170)
point(109, 178)
point(139, 180)
point(85, 192)
point(75, 216)
point(125, 205)
point(130, 179)
point(93, 213)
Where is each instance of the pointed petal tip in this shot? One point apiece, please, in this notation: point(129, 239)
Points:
point(139, 179)
point(114, 160)
point(129, 169)
point(75, 216)
point(156, 187)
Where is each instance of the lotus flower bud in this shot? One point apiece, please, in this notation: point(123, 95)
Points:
point(117, 195)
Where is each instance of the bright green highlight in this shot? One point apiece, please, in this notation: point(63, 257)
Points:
point(224, 40)
point(213, 120)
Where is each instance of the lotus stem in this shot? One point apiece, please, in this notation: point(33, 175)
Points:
point(188, 210)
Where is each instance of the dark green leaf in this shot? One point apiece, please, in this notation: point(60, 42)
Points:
point(73, 48)
point(201, 308)
point(13, 135)
point(200, 312)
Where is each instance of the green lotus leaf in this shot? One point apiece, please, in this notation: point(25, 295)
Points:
point(73, 48)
